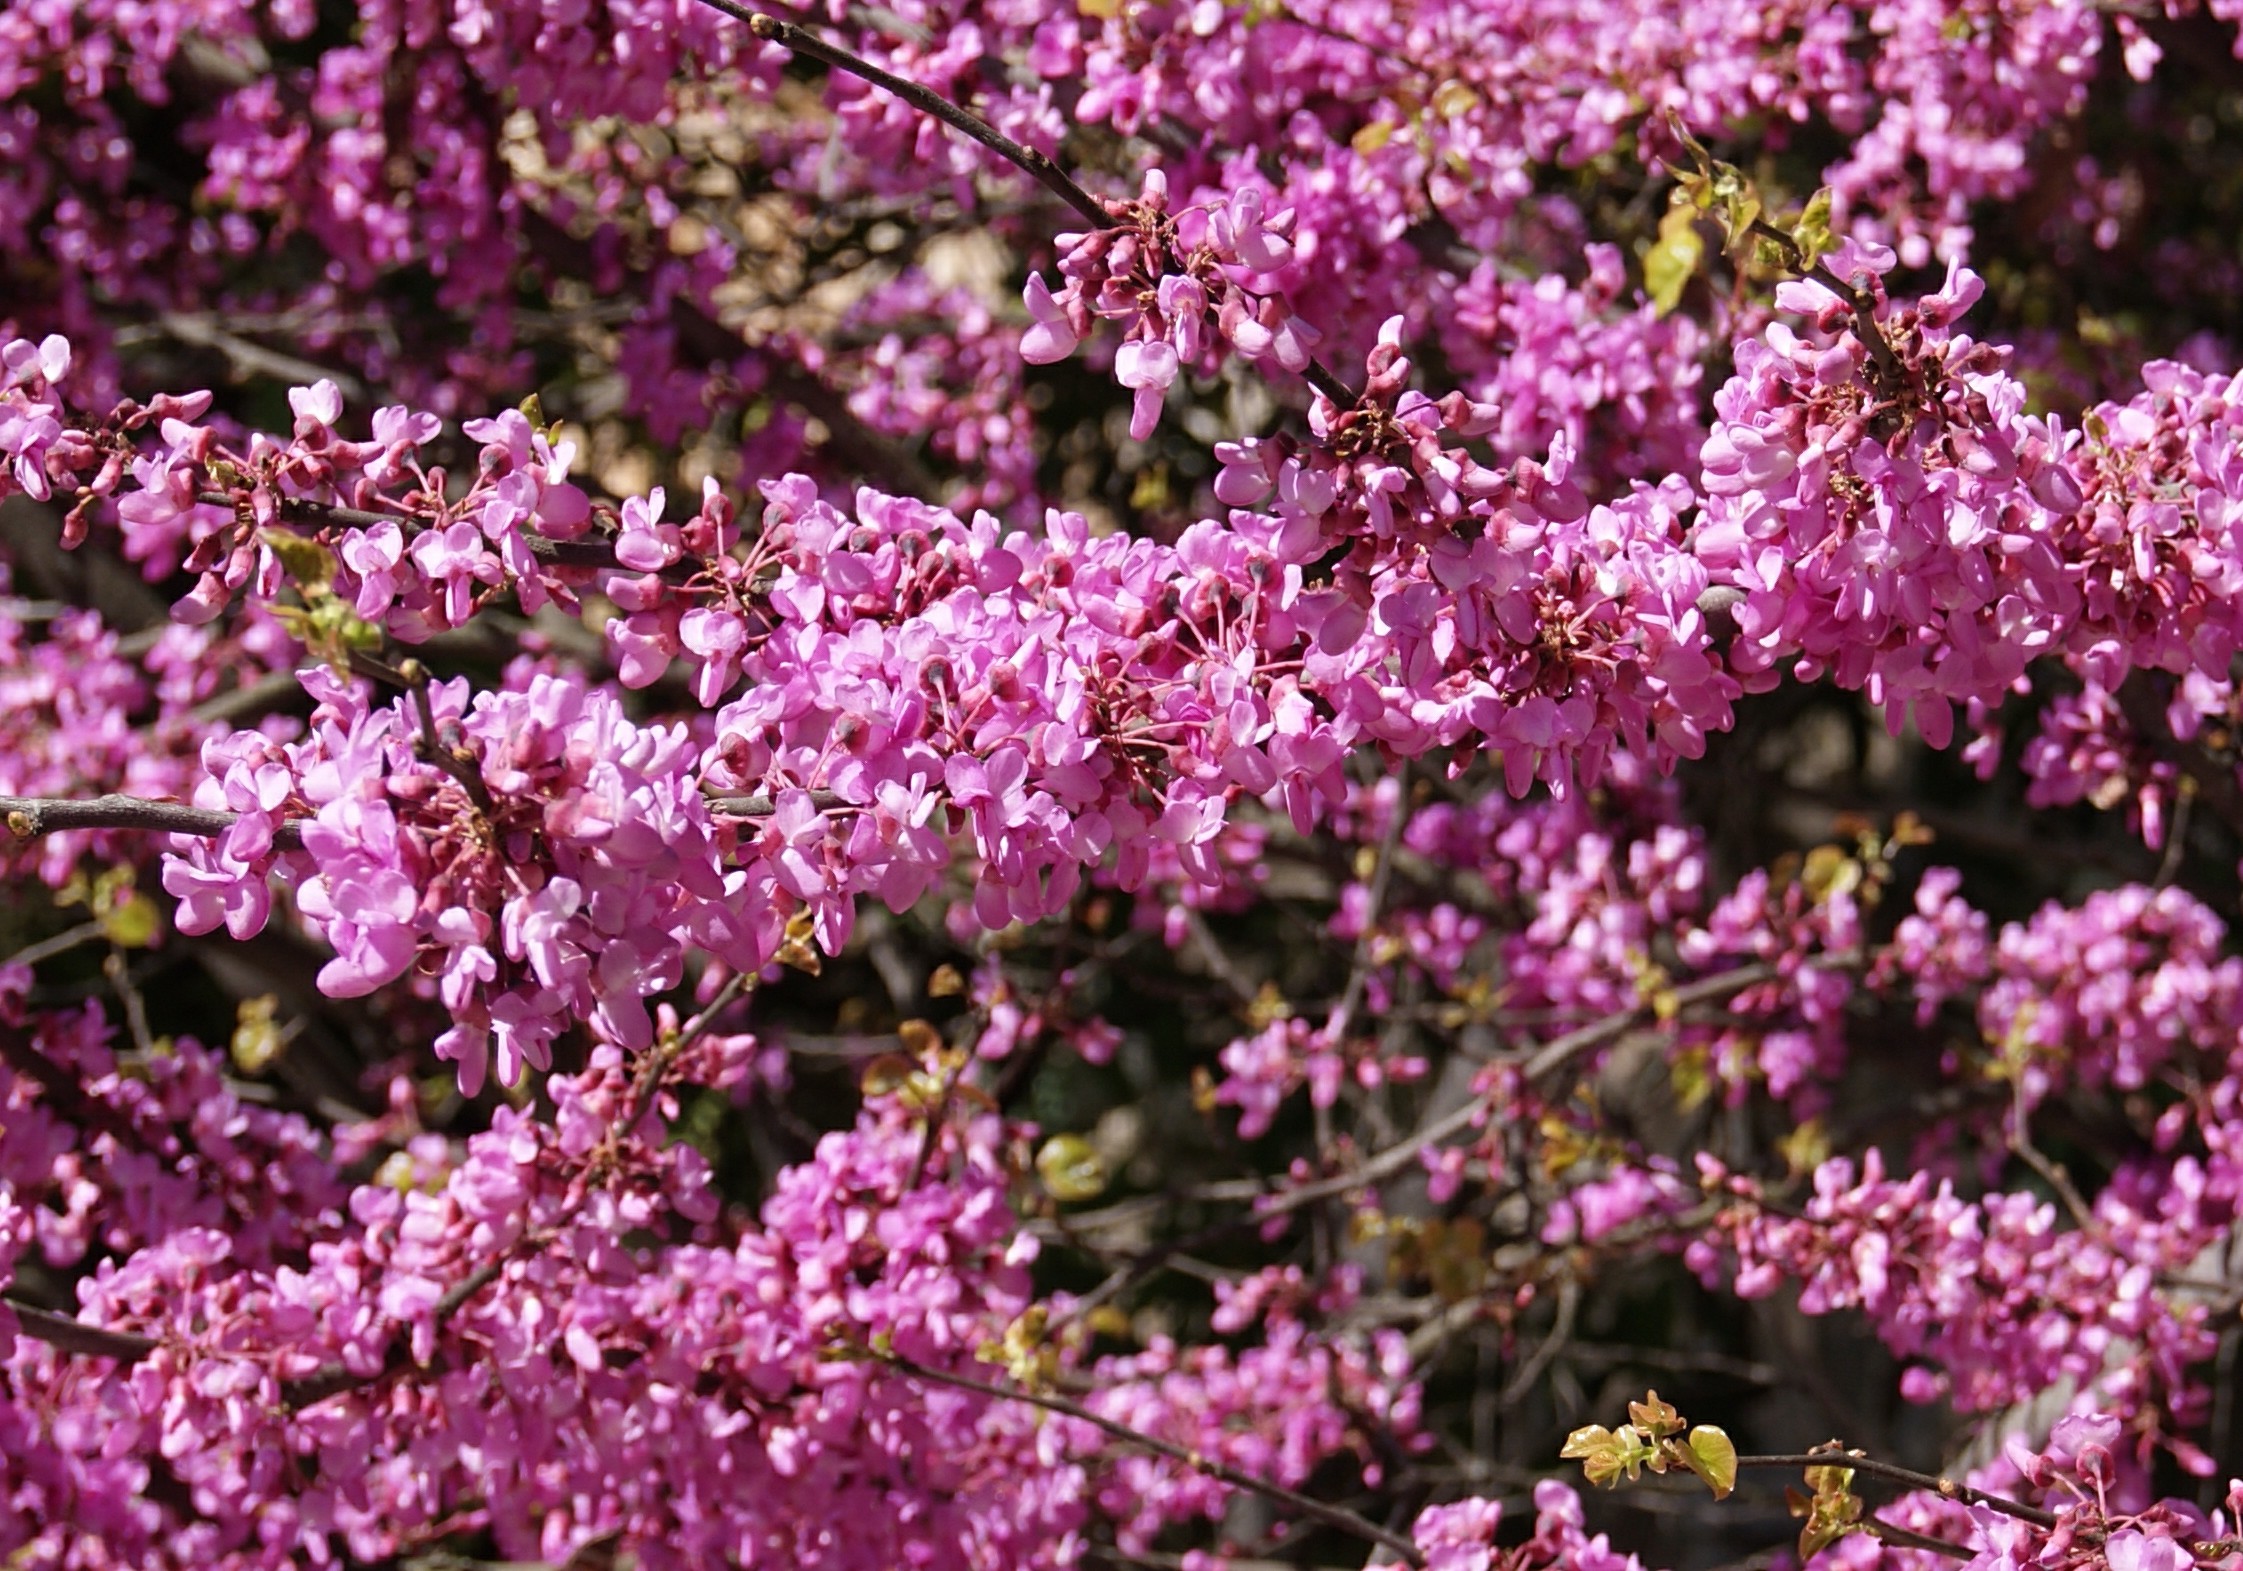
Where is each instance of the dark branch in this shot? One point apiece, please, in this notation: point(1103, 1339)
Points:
point(1330, 1515)
point(29, 817)
point(1835, 1455)
point(79, 1339)
point(1037, 166)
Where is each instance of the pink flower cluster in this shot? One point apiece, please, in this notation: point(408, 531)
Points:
point(1520, 552)
point(1178, 287)
point(554, 878)
point(2090, 1479)
point(1886, 504)
point(1460, 1536)
point(135, 1152)
point(1993, 1300)
point(1278, 1410)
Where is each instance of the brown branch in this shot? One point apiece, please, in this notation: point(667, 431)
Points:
point(762, 806)
point(1330, 1515)
point(79, 1339)
point(60, 944)
point(595, 554)
point(1366, 942)
point(29, 817)
point(853, 444)
point(1555, 1054)
point(1836, 1455)
point(1909, 1538)
point(1038, 166)
point(431, 748)
point(333, 1378)
point(1550, 1056)
point(2143, 707)
point(205, 330)
point(1857, 300)
point(260, 697)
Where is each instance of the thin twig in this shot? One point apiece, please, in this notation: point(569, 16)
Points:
point(593, 553)
point(257, 698)
point(1361, 963)
point(202, 331)
point(763, 806)
point(1330, 1515)
point(1909, 1538)
point(2176, 832)
point(1857, 300)
point(334, 1378)
point(1551, 1056)
point(2021, 1142)
point(29, 817)
point(1217, 959)
point(1038, 166)
point(1561, 1331)
point(1366, 941)
point(1704, 990)
point(61, 943)
point(657, 1063)
point(458, 762)
point(1836, 1455)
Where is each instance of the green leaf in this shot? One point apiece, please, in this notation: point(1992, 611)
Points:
point(257, 1039)
point(308, 564)
point(1834, 1511)
point(1812, 233)
point(1606, 1454)
point(1655, 1418)
point(132, 922)
point(1690, 144)
point(1594, 1447)
point(1673, 259)
point(1070, 1169)
point(1453, 98)
point(1712, 1455)
point(1739, 199)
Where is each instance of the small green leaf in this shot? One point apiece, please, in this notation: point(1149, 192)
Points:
point(1829, 872)
point(1673, 259)
point(1606, 1454)
point(308, 564)
point(1070, 1169)
point(1812, 233)
point(257, 1038)
point(132, 922)
point(1372, 137)
point(1690, 144)
point(1713, 1457)
point(1596, 1449)
point(1834, 1511)
point(1691, 1074)
point(1453, 98)
point(1739, 200)
point(1655, 1418)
